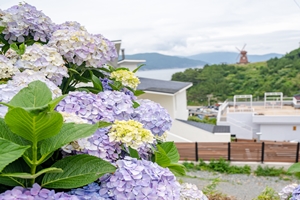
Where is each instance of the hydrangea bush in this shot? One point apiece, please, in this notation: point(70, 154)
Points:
point(59, 133)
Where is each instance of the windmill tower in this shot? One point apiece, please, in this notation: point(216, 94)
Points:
point(243, 56)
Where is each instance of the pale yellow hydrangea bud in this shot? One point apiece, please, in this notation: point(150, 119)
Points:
point(127, 78)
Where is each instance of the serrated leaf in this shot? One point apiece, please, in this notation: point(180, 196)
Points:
point(33, 176)
point(136, 69)
point(135, 104)
point(68, 133)
point(177, 169)
point(35, 95)
point(33, 127)
point(96, 82)
point(10, 152)
point(16, 166)
point(294, 168)
point(6, 133)
point(171, 151)
point(133, 153)
point(53, 103)
point(161, 157)
point(78, 171)
point(138, 92)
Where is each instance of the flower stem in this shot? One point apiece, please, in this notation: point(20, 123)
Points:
point(34, 160)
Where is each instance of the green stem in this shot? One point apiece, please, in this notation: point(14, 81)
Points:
point(66, 86)
point(34, 160)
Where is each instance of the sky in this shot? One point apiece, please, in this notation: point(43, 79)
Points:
point(183, 27)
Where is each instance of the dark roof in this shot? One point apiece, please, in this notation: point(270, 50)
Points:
point(208, 127)
point(155, 85)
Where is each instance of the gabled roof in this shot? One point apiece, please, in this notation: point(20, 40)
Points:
point(162, 86)
point(208, 127)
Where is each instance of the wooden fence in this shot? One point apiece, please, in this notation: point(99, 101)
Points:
point(240, 151)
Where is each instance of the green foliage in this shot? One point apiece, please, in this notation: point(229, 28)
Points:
point(29, 135)
point(212, 193)
point(225, 81)
point(269, 171)
point(206, 120)
point(268, 194)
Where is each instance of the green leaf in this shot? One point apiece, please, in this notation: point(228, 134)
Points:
point(294, 168)
point(177, 169)
point(14, 47)
point(171, 151)
point(138, 92)
point(33, 176)
point(73, 71)
point(16, 166)
point(133, 153)
point(2, 28)
point(89, 89)
point(122, 68)
point(5, 48)
point(52, 104)
point(22, 49)
point(10, 152)
point(33, 127)
point(35, 95)
point(117, 85)
point(6, 133)
point(161, 157)
point(78, 170)
point(29, 42)
point(136, 69)
point(103, 124)
point(111, 69)
point(68, 133)
point(96, 82)
point(135, 104)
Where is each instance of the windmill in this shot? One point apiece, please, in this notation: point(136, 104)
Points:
point(242, 55)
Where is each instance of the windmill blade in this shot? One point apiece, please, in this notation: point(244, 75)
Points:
point(237, 57)
point(244, 47)
point(237, 49)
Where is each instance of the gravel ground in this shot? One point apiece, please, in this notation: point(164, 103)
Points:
point(243, 187)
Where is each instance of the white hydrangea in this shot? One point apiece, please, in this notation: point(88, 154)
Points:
point(21, 80)
point(190, 191)
point(44, 59)
point(12, 56)
point(7, 69)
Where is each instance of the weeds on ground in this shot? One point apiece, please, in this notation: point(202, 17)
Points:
point(213, 194)
point(268, 194)
point(269, 171)
point(220, 165)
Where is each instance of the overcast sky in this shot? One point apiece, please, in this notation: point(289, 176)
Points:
point(183, 27)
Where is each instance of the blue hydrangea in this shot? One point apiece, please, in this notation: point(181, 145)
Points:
point(138, 180)
point(89, 192)
point(153, 116)
point(296, 193)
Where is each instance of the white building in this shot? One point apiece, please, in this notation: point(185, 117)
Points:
point(172, 96)
point(276, 118)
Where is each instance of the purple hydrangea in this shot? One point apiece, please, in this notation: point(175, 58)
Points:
point(35, 193)
point(25, 20)
point(104, 149)
point(287, 191)
point(138, 180)
point(153, 116)
point(89, 192)
point(69, 25)
point(105, 106)
point(296, 193)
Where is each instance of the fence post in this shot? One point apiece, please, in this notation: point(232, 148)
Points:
point(228, 151)
point(262, 151)
point(196, 151)
point(297, 152)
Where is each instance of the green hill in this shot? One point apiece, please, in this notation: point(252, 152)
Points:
point(224, 81)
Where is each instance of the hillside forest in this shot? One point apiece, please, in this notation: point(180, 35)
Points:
point(221, 82)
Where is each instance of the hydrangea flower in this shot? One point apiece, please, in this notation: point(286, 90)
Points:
point(21, 80)
point(105, 106)
point(153, 116)
point(25, 20)
point(69, 25)
point(7, 69)
point(127, 78)
point(191, 192)
point(79, 46)
point(71, 117)
point(138, 180)
point(12, 56)
point(287, 191)
point(45, 59)
point(296, 193)
point(90, 191)
point(35, 193)
point(131, 133)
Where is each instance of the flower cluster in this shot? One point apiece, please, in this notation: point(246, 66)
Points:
point(296, 193)
point(106, 106)
point(153, 116)
point(131, 133)
point(191, 192)
point(79, 46)
point(35, 193)
point(138, 180)
point(90, 191)
point(25, 20)
point(287, 191)
point(45, 59)
point(69, 25)
point(21, 80)
point(127, 78)
point(7, 69)
point(71, 117)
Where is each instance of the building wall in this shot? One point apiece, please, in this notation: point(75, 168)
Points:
point(129, 65)
point(195, 134)
point(164, 100)
point(280, 132)
point(181, 111)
